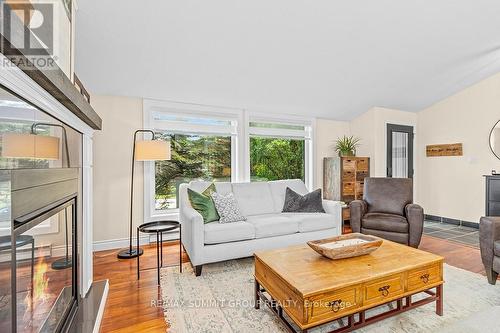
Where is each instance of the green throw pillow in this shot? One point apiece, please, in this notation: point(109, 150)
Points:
point(203, 203)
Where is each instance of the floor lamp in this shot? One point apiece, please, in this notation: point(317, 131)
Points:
point(143, 150)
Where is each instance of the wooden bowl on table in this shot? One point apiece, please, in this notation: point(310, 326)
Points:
point(346, 246)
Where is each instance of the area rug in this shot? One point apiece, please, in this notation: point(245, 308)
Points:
point(222, 300)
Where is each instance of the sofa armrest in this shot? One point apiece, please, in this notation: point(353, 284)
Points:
point(192, 228)
point(358, 210)
point(334, 208)
point(489, 233)
point(415, 216)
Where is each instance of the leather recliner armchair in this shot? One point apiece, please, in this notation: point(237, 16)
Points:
point(387, 211)
point(489, 242)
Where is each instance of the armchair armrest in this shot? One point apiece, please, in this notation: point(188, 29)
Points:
point(415, 216)
point(358, 210)
point(334, 208)
point(489, 233)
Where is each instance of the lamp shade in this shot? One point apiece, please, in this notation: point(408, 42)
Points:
point(152, 150)
point(18, 145)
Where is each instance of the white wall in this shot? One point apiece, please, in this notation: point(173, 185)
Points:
point(327, 131)
point(371, 127)
point(454, 186)
point(121, 116)
point(363, 128)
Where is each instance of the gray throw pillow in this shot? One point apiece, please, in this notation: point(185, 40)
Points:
point(227, 207)
point(309, 203)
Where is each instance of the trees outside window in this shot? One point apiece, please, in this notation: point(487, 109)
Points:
point(203, 157)
point(276, 158)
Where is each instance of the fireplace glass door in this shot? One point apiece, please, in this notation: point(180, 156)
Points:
point(44, 271)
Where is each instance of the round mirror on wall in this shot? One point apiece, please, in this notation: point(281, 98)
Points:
point(495, 139)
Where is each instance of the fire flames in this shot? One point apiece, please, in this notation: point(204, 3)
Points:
point(40, 285)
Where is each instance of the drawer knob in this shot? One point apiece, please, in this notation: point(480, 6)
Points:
point(335, 305)
point(425, 278)
point(384, 290)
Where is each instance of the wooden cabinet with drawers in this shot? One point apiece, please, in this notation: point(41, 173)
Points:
point(343, 177)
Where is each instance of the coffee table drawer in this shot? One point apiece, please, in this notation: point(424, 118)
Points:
point(419, 278)
point(386, 288)
point(333, 305)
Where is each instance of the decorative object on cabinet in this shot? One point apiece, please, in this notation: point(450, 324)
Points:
point(492, 204)
point(452, 149)
point(346, 145)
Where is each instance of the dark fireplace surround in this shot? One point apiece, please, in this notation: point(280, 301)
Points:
point(36, 195)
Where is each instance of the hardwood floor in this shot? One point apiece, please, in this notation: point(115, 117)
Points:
point(129, 306)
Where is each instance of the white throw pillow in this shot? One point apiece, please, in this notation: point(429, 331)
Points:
point(227, 207)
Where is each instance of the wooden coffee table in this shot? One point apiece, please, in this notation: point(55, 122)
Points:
point(314, 290)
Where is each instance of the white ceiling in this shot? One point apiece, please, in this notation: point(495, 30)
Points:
point(326, 58)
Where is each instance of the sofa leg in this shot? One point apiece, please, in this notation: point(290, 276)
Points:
point(492, 275)
point(197, 270)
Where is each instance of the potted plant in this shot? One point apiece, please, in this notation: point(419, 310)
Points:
point(346, 145)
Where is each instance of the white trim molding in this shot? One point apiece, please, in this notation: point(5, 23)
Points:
point(21, 84)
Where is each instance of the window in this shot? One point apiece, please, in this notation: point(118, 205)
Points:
point(203, 144)
point(194, 156)
point(276, 158)
point(221, 144)
point(279, 150)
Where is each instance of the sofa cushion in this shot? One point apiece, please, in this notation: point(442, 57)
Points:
point(392, 236)
point(253, 198)
point(227, 208)
point(270, 225)
point(312, 221)
point(307, 203)
point(496, 248)
point(204, 204)
point(388, 195)
point(385, 222)
point(278, 190)
point(228, 232)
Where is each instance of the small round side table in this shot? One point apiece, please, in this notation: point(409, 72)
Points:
point(159, 227)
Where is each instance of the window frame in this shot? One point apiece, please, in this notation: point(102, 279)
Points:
point(240, 142)
point(177, 108)
point(307, 135)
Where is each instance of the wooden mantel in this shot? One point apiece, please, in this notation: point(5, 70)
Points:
point(53, 80)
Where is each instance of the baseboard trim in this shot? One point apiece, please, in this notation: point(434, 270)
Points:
point(144, 239)
point(447, 220)
point(111, 244)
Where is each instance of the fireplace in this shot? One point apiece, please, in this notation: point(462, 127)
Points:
point(39, 287)
point(39, 283)
point(41, 180)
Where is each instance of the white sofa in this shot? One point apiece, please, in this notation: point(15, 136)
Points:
point(265, 228)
